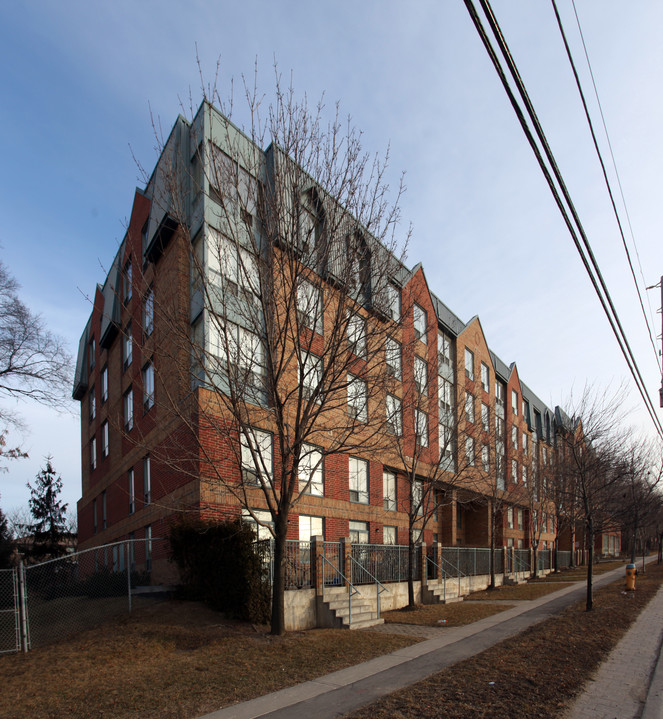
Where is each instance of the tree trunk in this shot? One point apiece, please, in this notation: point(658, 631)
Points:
point(590, 565)
point(573, 545)
point(278, 585)
point(492, 558)
point(535, 559)
point(410, 572)
point(633, 542)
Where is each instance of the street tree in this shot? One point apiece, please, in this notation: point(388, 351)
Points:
point(49, 526)
point(6, 542)
point(591, 448)
point(292, 277)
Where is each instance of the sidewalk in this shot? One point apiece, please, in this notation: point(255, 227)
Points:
point(346, 690)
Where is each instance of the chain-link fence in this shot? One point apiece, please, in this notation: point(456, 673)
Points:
point(9, 616)
point(48, 602)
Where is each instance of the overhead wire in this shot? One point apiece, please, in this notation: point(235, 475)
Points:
point(591, 266)
point(603, 168)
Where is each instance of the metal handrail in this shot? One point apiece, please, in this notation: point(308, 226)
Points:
point(378, 592)
point(460, 573)
point(518, 562)
point(352, 590)
point(443, 576)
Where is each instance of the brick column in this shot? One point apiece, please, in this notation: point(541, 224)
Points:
point(317, 552)
point(344, 559)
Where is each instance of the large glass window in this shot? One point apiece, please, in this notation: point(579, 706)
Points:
point(393, 357)
point(394, 415)
point(129, 410)
point(310, 527)
point(309, 306)
point(311, 376)
point(421, 375)
point(358, 532)
point(148, 313)
point(256, 447)
point(147, 480)
point(421, 427)
point(420, 323)
point(127, 347)
point(389, 490)
point(443, 349)
point(358, 480)
point(469, 363)
point(485, 417)
point(394, 302)
point(469, 407)
point(104, 439)
point(469, 451)
point(261, 521)
point(104, 384)
point(357, 398)
point(485, 377)
point(310, 470)
point(148, 386)
point(357, 335)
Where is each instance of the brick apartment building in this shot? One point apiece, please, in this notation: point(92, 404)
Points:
point(145, 458)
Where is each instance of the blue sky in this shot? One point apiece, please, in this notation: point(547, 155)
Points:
point(82, 82)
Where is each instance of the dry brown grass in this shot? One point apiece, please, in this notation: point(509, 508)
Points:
point(535, 674)
point(456, 614)
point(175, 659)
point(515, 592)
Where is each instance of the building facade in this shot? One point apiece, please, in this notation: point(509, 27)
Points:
point(420, 426)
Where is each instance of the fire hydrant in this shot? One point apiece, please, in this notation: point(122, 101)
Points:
point(631, 573)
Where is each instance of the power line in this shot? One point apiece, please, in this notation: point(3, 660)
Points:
point(600, 157)
point(591, 269)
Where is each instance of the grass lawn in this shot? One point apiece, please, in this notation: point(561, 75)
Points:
point(535, 674)
point(173, 659)
point(456, 614)
point(529, 590)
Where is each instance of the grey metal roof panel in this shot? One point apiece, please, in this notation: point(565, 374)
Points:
point(110, 317)
point(501, 369)
point(81, 374)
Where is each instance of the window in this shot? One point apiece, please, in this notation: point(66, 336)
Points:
point(147, 480)
point(469, 451)
point(148, 548)
point(388, 535)
point(261, 522)
point(240, 352)
point(357, 335)
point(94, 516)
point(469, 407)
point(148, 386)
point(358, 480)
point(469, 364)
point(445, 391)
point(358, 532)
point(389, 491)
point(91, 348)
point(93, 404)
point(514, 401)
point(234, 266)
point(524, 475)
point(514, 471)
point(129, 410)
point(485, 417)
point(525, 444)
point(485, 458)
point(127, 282)
point(418, 497)
point(394, 415)
point(500, 427)
point(499, 394)
point(521, 524)
point(311, 376)
point(127, 347)
point(104, 516)
point(357, 398)
point(310, 527)
point(514, 436)
point(485, 377)
point(420, 323)
point(393, 302)
point(93, 453)
point(132, 491)
point(509, 518)
point(148, 313)
point(421, 375)
point(104, 439)
point(501, 469)
point(393, 358)
point(443, 349)
point(256, 448)
point(545, 456)
point(421, 427)
point(309, 306)
point(310, 470)
point(104, 384)
point(445, 440)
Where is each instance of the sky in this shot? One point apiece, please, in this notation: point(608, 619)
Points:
point(85, 84)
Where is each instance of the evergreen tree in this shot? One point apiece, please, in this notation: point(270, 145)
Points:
point(6, 542)
point(49, 527)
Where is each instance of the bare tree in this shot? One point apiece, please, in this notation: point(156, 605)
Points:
point(292, 299)
point(592, 449)
point(34, 363)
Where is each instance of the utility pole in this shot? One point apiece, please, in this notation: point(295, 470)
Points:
point(660, 352)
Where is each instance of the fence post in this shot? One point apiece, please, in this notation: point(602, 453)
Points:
point(23, 607)
point(344, 558)
point(317, 568)
point(424, 568)
point(127, 557)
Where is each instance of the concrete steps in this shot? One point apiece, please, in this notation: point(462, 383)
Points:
point(435, 593)
point(361, 613)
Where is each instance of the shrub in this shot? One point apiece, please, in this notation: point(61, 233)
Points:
point(222, 565)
